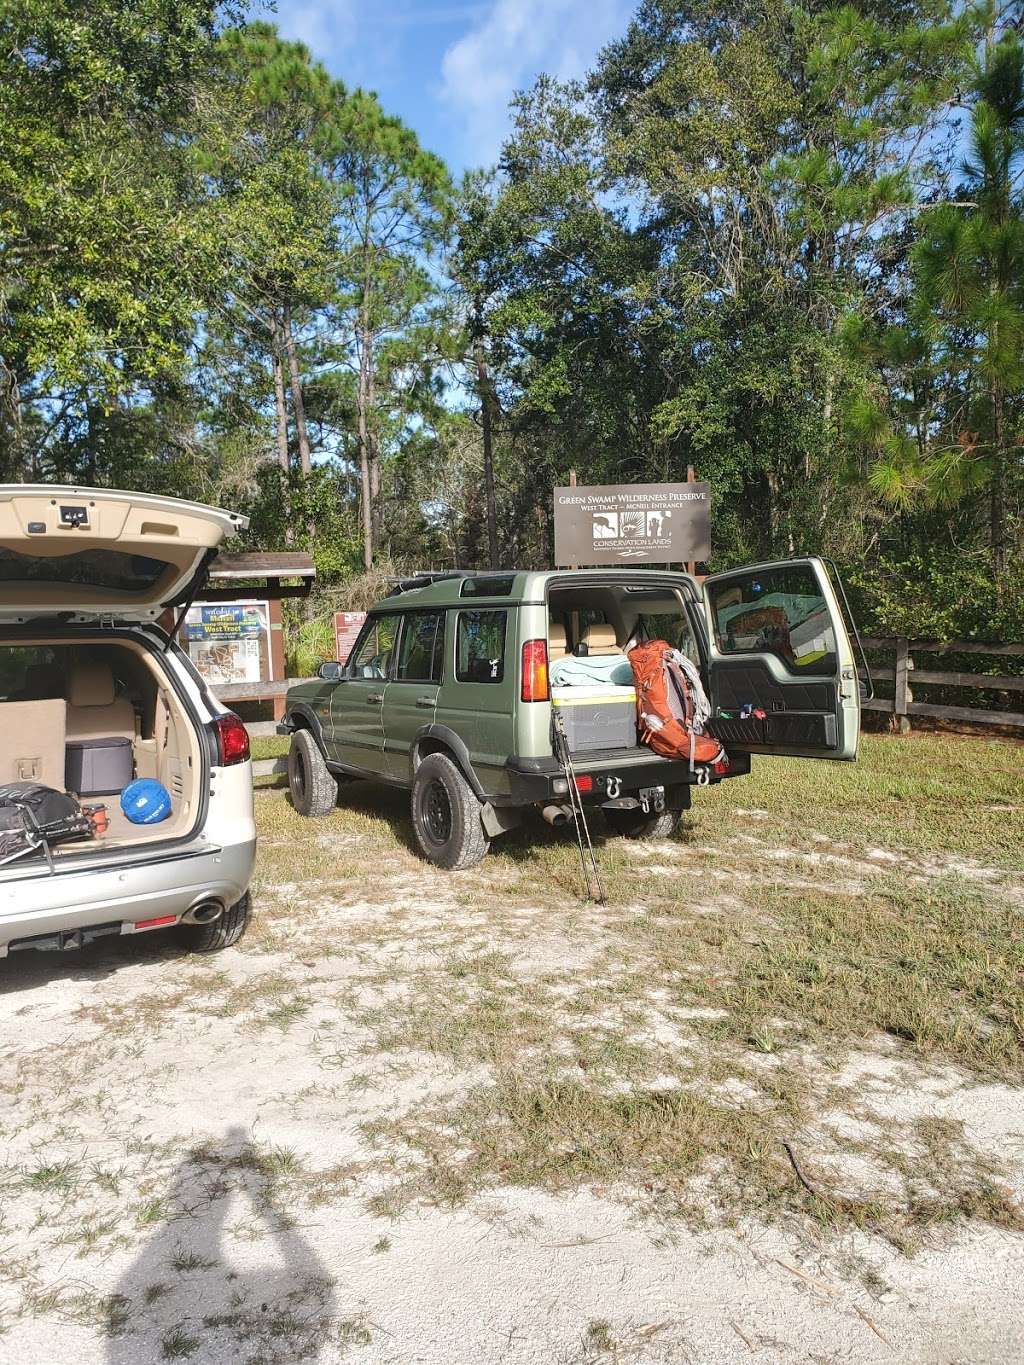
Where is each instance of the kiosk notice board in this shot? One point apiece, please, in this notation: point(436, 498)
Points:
point(229, 642)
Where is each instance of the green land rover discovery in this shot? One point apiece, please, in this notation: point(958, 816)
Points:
point(452, 687)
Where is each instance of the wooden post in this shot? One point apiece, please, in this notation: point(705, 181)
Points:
point(276, 668)
point(903, 694)
point(572, 484)
point(691, 477)
point(574, 617)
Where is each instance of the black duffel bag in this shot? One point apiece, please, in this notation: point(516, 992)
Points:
point(33, 818)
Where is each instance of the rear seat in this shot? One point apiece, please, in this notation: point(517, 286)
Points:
point(599, 638)
point(32, 737)
point(100, 732)
point(558, 644)
point(599, 662)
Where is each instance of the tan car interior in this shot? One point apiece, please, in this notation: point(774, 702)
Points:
point(599, 638)
point(610, 620)
point(58, 699)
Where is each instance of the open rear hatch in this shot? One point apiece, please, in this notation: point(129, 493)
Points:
point(86, 707)
point(88, 552)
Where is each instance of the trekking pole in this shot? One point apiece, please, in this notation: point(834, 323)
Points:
point(588, 858)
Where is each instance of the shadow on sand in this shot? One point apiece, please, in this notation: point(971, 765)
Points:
point(227, 1276)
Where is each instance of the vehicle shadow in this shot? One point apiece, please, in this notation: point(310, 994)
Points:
point(378, 799)
point(227, 1276)
point(25, 970)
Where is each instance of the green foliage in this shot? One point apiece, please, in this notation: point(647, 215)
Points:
point(310, 643)
point(103, 249)
point(742, 244)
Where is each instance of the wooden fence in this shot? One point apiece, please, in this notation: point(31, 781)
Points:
point(899, 675)
point(904, 671)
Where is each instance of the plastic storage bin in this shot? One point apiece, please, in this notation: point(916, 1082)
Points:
point(98, 767)
point(597, 717)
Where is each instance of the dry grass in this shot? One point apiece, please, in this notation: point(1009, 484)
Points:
point(786, 1014)
point(670, 1045)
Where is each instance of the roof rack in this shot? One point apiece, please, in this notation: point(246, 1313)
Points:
point(423, 580)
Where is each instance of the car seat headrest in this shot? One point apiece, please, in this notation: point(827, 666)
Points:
point(91, 684)
point(599, 638)
point(558, 645)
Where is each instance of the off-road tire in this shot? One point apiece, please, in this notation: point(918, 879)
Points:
point(634, 824)
point(446, 815)
point(313, 789)
point(222, 933)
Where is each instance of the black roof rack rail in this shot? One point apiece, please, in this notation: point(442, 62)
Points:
point(423, 580)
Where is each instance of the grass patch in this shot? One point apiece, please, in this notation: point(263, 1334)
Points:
point(669, 1045)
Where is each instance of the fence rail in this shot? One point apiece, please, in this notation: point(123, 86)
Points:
point(903, 671)
point(899, 675)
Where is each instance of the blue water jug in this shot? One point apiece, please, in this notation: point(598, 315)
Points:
point(146, 801)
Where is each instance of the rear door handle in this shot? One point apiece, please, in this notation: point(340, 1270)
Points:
point(375, 698)
point(424, 701)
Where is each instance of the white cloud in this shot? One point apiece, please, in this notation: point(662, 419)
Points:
point(325, 26)
point(514, 42)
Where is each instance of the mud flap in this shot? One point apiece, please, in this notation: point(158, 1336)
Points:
point(499, 819)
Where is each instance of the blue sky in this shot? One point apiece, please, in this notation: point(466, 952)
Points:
point(448, 67)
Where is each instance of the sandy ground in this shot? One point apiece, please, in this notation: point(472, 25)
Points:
point(137, 1226)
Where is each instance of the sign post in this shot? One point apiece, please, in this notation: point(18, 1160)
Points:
point(642, 523)
point(347, 625)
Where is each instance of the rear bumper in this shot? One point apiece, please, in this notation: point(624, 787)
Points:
point(532, 780)
point(41, 906)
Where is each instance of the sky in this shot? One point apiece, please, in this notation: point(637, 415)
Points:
point(449, 67)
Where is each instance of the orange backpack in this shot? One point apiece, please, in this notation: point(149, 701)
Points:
point(671, 722)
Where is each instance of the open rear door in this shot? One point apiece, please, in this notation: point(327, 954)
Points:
point(100, 551)
point(783, 679)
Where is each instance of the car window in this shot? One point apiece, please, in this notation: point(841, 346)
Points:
point(371, 653)
point(31, 673)
point(779, 611)
point(673, 626)
point(419, 656)
point(480, 646)
point(491, 585)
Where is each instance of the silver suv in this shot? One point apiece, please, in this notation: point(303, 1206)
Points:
point(93, 695)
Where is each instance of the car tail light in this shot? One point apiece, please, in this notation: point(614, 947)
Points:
point(232, 740)
point(535, 670)
point(585, 783)
point(155, 923)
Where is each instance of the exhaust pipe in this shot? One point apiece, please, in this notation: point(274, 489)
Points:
point(203, 913)
point(556, 815)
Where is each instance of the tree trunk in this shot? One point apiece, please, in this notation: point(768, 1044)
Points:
point(772, 480)
point(281, 421)
point(365, 482)
point(997, 530)
point(280, 407)
point(483, 380)
point(22, 468)
point(298, 405)
point(376, 512)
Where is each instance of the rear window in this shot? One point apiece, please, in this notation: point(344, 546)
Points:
point(779, 610)
point(98, 568)
point(480, 646)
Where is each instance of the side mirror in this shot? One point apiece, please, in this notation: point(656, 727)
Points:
point(331, 671)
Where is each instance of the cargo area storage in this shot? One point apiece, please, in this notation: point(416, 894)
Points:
point(90, 716)
point(591, 628)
